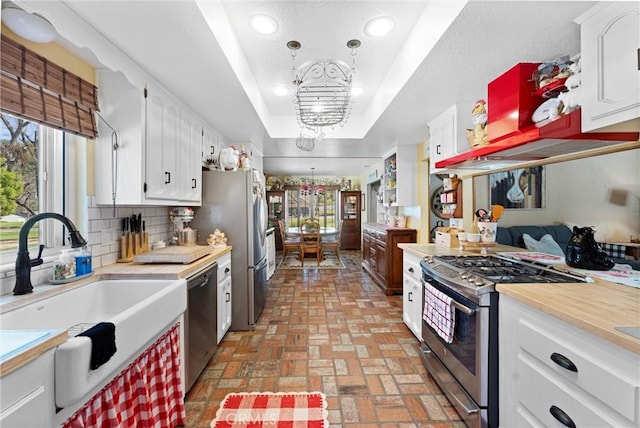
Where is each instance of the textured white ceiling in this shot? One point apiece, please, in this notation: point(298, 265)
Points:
point(225, 71)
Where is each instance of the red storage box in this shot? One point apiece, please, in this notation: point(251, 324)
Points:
point(511, 101)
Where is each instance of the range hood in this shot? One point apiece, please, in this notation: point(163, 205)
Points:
point(561, 136)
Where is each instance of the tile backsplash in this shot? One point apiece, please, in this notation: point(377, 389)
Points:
point(105, 231)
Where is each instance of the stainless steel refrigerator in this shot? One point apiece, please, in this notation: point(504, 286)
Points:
point(234, 202)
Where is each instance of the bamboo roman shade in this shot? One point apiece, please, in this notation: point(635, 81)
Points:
point(38, 90)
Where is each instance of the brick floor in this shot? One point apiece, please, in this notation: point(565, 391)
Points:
point(329, 330)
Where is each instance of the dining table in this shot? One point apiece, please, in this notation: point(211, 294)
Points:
point(325, 232)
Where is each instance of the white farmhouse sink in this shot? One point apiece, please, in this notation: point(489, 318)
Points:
point(140, 310)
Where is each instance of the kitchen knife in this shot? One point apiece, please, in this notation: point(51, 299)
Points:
point(131, 241)
point(124, 239)
point(145, 238)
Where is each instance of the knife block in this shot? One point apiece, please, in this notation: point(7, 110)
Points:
point(126, 254)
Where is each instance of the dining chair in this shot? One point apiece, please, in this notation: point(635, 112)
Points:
point(333, 243)
point(288, 242)
point(310, 239)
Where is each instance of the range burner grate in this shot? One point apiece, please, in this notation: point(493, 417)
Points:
point(500, 270)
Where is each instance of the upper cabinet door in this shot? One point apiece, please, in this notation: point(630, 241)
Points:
point(448, 135)
point(610, 42)
point(189, 155)
point(162, 137)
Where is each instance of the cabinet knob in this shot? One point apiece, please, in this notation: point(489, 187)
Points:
point(226, 270)
point(410, 270)
point(562, 417)
point(563, 362)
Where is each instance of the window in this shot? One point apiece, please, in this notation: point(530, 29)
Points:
point(304, 204)
point(39, 173)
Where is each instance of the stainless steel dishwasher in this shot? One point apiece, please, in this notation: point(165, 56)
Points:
point(201, 321)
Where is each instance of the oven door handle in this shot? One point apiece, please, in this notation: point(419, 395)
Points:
point(463, 308)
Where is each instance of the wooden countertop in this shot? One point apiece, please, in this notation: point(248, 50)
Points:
point(25, 354)
point(159, 270)
point(596, 307)
point(113, 271)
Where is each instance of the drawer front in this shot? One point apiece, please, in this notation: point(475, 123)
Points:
point(411, 265)
point(612, 380)
point(545, 394)
point(224, 267)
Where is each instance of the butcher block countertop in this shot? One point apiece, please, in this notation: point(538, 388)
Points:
point(54, 338)
point(160, 270)
point(26, 345)
point(596, 307)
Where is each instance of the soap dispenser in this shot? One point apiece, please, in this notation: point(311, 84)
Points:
point(83, 261)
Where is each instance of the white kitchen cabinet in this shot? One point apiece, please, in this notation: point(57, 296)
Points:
point(412, 293)
point(122, 171)
point(158, 161)
point(399, 178)
point(271, 253)
point(610, 39)
point(26, 394)
point(549, 367)
point(210, 145)
point(162, 133)
point(447, 134)
point(189, 172)
point(173, 146)
point(224, 294)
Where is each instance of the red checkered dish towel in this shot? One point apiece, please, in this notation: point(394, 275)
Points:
point(272, 410)
point(439, 312)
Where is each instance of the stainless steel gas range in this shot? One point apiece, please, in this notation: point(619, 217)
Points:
point(465, 362)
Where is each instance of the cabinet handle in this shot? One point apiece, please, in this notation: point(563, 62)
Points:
point(438, 152)
point(167, 177)
point(193, 183)
point(563, 362)
point(410, 296)
point(410, 269)
point(228, 297)
point(562, 417)
point(213, 149)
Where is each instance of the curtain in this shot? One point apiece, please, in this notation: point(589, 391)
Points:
point(148, 393)
point(38, 90)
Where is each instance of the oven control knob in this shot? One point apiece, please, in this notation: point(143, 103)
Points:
point(464, 275)
point(429, 259)
point(479, 282)
point(471, 279)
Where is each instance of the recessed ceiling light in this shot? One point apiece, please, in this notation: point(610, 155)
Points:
point(263, 24)
point(356, 91)
point(281, 90)
point(379, 27)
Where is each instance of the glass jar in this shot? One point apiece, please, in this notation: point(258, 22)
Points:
point(83, 261)
point(65, 267)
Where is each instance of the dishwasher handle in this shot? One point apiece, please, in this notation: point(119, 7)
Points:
point(203, 278)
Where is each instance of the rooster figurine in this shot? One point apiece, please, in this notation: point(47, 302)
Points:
point(479, 120)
